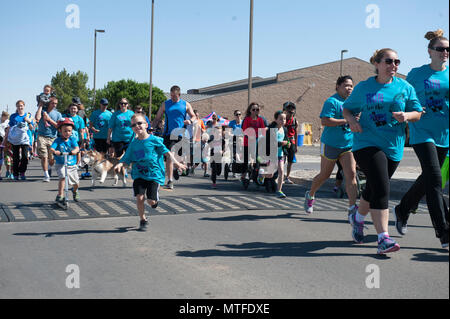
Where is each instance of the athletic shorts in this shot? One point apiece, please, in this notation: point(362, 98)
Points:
point(72, 172)
point(333, 153)
point(144, 187)
point(120, 148)
point(291, 152)
point(171, 143)
point(100, 145)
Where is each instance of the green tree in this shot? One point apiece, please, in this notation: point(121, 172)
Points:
point(66, 86)
point(136, 93)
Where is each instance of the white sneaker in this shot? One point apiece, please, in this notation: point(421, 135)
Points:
point(288, 181)
point(46, 179)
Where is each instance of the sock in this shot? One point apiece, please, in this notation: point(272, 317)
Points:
point(381, 235)
point(46, 174)
point(359, 218)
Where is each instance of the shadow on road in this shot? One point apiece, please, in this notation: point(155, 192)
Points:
point(304, 249)
point(118, 230)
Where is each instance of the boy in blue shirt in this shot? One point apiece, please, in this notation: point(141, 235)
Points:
point(146, 152)
point(66, 143)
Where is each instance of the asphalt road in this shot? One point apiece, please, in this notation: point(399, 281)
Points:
point(201, 244)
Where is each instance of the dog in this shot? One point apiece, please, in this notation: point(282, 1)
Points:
point(101, 165)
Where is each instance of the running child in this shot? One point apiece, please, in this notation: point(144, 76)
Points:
point(66, 143)
point(283, 143)
point(146, 152)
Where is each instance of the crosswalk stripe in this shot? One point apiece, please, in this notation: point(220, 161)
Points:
point(17, 214)
point(61, 214)
point(98, 209)
point(210, 205)
point(174, 206)
point(271, 200)
point(79, 210)
point(218, 200)
point(245, 199)
point(234, 200)
point(190, 204)
point(117, 208)
point(39, 213)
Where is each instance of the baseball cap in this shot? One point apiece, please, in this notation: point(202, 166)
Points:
point(104, 101)
point(76, 100)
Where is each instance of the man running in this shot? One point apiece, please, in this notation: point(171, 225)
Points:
point(174, 110)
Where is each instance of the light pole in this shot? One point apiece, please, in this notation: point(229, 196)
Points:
point(95, 61)
point(342, 57)
point(151, 65)
point(250, 54)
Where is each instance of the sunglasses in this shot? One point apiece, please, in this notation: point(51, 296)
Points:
point(390, 61)
point(137, 123)
point(441, 49)
point(237, 114)
point(123, 103)
point(255, 110)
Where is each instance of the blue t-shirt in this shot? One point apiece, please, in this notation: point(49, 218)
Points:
point(100, 122)
point(432, 90)
point(15, 119)
point(79, 125)
point(49, 131)
point(336, 136)
point(120, 123)
point(175, 115)
point(376, 102)
point(147, 157)
point(65, 146)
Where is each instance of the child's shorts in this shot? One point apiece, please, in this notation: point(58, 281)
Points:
point(72, 172)
point(150, 188)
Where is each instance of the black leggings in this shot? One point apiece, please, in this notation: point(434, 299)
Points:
point(428, 184)
point(20, 159)
point(216, 170)
point(378, 169)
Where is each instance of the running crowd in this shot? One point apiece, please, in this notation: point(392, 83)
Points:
point(364, 130)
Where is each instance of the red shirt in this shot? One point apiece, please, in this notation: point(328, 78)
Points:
point(252, 124)
point(291, 126)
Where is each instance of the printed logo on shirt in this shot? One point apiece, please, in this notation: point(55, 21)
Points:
point(378, 119)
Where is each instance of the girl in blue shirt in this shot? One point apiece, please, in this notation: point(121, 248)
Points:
point(384, 104)
point(430, 138)
point(337, 141)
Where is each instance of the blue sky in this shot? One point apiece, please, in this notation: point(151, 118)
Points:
point(199, 43)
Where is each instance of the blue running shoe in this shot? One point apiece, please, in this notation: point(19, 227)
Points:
point(387, 245)
point(357, 229)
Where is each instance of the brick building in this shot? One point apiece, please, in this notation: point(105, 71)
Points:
point(307, 87)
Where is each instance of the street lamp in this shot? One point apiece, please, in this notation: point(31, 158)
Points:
point(151, 65)
point(342, 57)
point(250, 54)
point(95, 61)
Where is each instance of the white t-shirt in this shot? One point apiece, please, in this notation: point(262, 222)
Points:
point(3, 127)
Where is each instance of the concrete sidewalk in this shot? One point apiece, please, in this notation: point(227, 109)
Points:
point(308, 166)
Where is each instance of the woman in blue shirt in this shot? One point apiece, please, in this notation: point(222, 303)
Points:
point(120, 131)
point(384, 104)
point(430, 138)
point(337, 141)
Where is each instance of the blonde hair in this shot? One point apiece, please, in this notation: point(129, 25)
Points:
point(378, 56)
point(435, 36)
point(136, 115)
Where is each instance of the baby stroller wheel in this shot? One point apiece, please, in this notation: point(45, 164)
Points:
point(245, 183)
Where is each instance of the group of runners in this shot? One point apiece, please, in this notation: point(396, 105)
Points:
point(364, 127)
